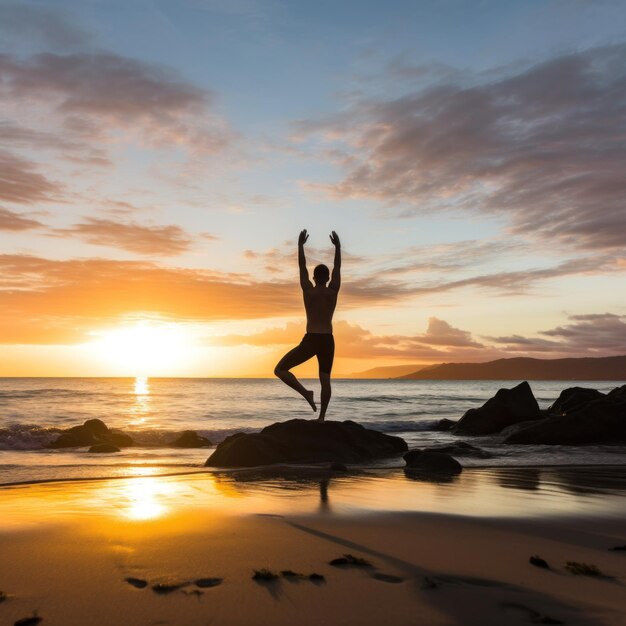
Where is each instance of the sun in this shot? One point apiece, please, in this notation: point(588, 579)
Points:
point(143, 348)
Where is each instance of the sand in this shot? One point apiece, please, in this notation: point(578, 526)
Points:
point(66, 551)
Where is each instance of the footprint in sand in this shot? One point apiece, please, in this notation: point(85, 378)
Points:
point(138, 583)
point(32, 620)
point(165, 588)
point(348, 560)
point(205, 583)
point(529, 615)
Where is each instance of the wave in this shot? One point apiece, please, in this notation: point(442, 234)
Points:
point(34, 437)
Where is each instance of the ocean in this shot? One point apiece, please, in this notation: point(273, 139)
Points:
point(154, 411)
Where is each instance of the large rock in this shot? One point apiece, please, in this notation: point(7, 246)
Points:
point(574, 398)
point(191, 439)
point(461, 448)
point(305, 441)
point(91, 433)
point(104, 448)
point(600, 420)
point(432, 462)
point(507, 407)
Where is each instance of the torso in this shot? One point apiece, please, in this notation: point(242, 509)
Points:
point(319, 303)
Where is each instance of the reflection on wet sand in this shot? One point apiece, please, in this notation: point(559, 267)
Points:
point(521, 492)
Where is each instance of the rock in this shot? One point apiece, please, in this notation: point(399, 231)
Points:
point(461, 448)
point(432, 462)
point(573, 398)
point(104, 447)
point(191, 439)
point(305, 441)
point(121, 440)
point(600, 420)
point(91, 433)
point(444, 424)
point(507, 407)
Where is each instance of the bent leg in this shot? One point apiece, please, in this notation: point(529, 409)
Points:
point(294, 357)
point(326, 393)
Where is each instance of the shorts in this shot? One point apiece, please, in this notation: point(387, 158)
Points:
point(321, 345)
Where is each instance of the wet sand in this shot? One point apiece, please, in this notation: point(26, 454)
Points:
point(183, 550)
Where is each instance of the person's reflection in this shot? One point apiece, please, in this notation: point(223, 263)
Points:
point(324, 503)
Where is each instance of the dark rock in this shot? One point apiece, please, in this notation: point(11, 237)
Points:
point(573, 398)
point(537, 561)
point(507, 407)
point(303, 441)
point(444, 424)
point(600, 420)
point(432, 462)
point(90, 433)
point(338, 467)
point(102, 448)
point(191, 439)
point(461, 448)
point(121, 440)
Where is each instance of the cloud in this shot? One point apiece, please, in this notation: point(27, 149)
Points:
point(98, 93)
point(543, 147)
point(21, 183)
point(585, 335)
point(149, 240)
point(42, 299)
point(354, 341)
point(11, 221)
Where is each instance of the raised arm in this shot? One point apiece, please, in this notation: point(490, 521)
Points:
point(305, 283)
point(335, 278)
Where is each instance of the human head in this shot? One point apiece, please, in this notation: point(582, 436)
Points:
point(321, 274)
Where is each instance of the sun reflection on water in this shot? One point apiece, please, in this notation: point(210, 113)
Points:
point(141, 408)
point(144, 498)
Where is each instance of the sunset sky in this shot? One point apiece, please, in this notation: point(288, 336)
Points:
point(158, 159)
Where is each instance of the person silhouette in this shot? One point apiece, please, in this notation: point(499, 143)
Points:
point(319, 303)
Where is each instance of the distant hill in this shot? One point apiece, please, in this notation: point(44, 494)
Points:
point(602, 368)
point(389, 371)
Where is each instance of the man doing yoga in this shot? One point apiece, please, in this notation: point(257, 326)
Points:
point(319, 302)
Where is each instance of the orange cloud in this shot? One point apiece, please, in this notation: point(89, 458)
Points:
point(11, 221)
point(162, 240)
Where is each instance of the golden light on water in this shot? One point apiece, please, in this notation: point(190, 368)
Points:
point(141, 407)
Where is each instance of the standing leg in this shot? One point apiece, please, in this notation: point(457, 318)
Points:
point(326, 392)
point(294, 357)
point(325, 357)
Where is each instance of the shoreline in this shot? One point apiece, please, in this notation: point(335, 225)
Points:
point(286, 470)
point(74, 545)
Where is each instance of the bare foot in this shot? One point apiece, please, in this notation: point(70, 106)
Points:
point(309, 399)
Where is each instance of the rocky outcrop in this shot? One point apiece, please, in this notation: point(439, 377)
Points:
point(444, 424)
point(599, 419)
point(573, 398)
point(104, 448)
point(191, 439)
point(432, 462)
point(461, 448)
point(305, 441)
point(91, 433)
point(507, 407)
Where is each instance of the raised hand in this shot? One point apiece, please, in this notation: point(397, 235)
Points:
point(303, 237)
point(335, 239)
